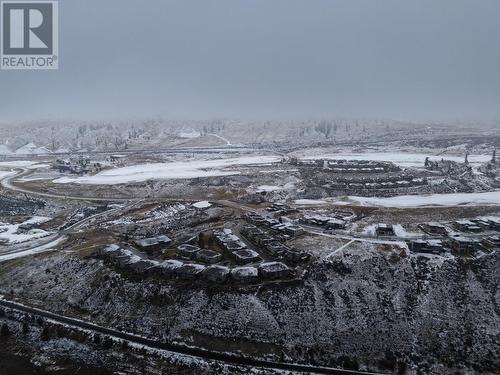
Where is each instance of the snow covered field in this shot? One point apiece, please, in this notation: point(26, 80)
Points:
point(11, 233)
point(268, 188)
point(17, 164)
point(173, 170)
point(307, 202)
point(408, 160)
point(36, 250)
point(189, 134)
point(453, 199)
point(5, 174)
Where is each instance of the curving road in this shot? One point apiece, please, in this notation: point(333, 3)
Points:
point(49, 242)
point(8, 184)
point(178, 348)
point(22, 172)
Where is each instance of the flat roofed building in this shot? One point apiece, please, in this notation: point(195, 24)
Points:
point(483, 224)
point(463, 244)
point(208, 256)
point(492, 242)
point(228, 241)
point(494, 223)
point(295, 256)
point(245, 274)
point(427, 246)
point(467, 226)
point(274, 270)
point(276, 248)
point(434, 228)
point(384, 230)
point(293, 230)
point(143, 266)
point(110, 250)
point(245, 256)
point(169, 267)
point(187, 250)
point(334, 223)
point(189, 271)
point(216, 273)
point(153, 244)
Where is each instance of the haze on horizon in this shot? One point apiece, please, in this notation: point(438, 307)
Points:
point(418, 60)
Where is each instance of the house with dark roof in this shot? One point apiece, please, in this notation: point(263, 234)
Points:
point(384, 230)
point(245, 274)
point(169, 267)
point(492, 242)
point(152, 244)
point(434, 228)
point(189, 271)
point(274, 270)
point(463, 245)
point(188, 251)
point(208, 256)
point(467, 226)
point(245, 256)
point(216, 273)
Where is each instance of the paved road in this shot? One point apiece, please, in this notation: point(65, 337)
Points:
point(45, 243)
point(177, 348)
point(7, 183)
point(339, 249)
point(22, 172)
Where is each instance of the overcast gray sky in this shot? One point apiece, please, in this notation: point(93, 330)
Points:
point(414, 60)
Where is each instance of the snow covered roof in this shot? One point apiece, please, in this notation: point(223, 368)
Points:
point(171, 264)
point(435, 242)
point(274, 266)
point(435, 224)
point(382, 225)
point(464, 239)
point(246, 254)
point(152, 241)
point(190, 268)
point(202, 204)
point(245, 271)
point(336, 221)
point(112, 247)
point(464, 222)
point(134, 259)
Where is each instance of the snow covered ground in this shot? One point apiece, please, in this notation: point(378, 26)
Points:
point(403, 159)
point(11, 233)
point(17, 164)
point(172, 170)
point(268, 188)
point(189, 134)
point(4, 150)
point(399, 231)
point(452, 199)
point(202, 204)
point(35, 250)
point(228, 143)
point(306, 202)
point(5, 174)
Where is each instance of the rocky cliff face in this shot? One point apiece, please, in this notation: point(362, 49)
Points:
point(376, 310)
